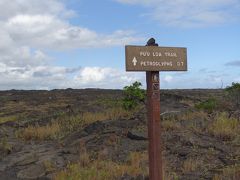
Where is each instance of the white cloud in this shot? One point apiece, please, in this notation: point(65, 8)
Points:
point(50, 77)
point(28, 78)
point(93, 74)
point(23, 56)
point(29, 28)
point(104, 77)
point(43, 25)
point(168, 79)
point(48, 31)
point(33, 7)
point(189, 13)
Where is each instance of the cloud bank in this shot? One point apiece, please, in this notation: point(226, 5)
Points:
point(29, 29)
point(46, 77)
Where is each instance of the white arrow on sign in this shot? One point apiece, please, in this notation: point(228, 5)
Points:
point(134, 61)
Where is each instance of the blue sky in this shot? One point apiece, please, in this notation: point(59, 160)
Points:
point(80, 43)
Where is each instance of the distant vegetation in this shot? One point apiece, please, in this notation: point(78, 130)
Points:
point(229, 100)
point(233, 93)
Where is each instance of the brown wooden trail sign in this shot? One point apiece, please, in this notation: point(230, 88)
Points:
point(153, 59)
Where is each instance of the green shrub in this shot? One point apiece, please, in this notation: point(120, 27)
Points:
point(208, 105)
point(133, 96)
point(233, 92)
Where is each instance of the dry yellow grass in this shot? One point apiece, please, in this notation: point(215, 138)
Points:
point(104, 169)
point(194, 115)
point(224, 127)
point(191, 164)
point(49, 166)
point(5, 146)
point(8, 118)
point(230, 172)
point(40, 132)
point(117, 113)
point(169, 125)
point(70, 123)
point(170, 176)
point(137, 163)
point(113, 114)
point(188, 102)
point(89, 117)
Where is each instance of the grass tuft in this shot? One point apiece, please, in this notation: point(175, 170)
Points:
point(224, 127)
point(5, 146)
point(104, 169)
point(37, 132)
point(230, 172)
point(65, 124)
point(8, 119)
point(169, 125)
point(191, 165)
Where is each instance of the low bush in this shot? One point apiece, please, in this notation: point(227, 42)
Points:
point(133, 96)
point(209, 105)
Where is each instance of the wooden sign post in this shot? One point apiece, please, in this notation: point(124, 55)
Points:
point(153, 59)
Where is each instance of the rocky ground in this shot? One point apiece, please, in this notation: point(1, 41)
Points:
point(189, 150)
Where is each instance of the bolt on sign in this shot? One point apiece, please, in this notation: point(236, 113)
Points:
point(153, 59)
